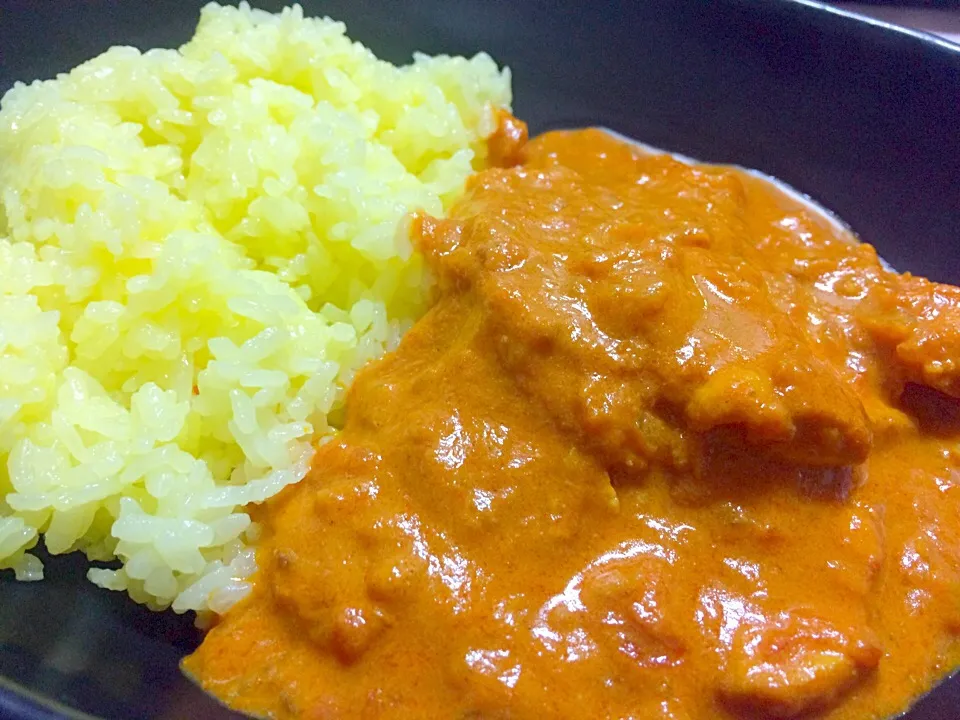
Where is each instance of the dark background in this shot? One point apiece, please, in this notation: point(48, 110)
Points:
point(864, 119)
point(936, 4)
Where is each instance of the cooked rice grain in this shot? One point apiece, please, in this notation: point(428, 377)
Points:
point(198, 249)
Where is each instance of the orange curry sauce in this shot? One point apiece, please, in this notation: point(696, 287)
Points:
point(668, 445)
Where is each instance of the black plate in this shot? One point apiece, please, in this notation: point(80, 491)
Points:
point(864, 118)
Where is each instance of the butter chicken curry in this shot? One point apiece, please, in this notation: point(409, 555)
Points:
point(668, 445)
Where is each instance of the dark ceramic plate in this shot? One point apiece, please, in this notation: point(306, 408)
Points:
point(863, 117)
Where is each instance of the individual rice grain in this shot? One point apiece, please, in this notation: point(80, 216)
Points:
point(198, 249)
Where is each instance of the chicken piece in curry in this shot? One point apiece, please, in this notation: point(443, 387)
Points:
point(669, 444)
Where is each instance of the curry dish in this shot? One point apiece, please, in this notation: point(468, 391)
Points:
point(668, 445)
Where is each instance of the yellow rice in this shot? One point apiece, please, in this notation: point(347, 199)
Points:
point(198, 248)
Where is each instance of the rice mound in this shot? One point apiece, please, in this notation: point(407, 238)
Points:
point(198, 249)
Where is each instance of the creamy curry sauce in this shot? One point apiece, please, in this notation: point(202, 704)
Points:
point(668, 445)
